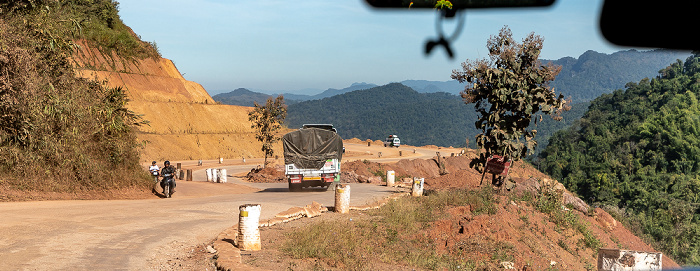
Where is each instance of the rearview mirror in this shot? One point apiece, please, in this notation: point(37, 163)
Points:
point(459, 4)
point(650, 23)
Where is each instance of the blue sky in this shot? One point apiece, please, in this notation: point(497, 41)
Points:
point(292, 46)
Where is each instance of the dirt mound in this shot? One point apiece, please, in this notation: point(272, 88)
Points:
point(270, 174)
point(185, 122)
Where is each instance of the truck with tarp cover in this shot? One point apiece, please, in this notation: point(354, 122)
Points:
point(312, 157)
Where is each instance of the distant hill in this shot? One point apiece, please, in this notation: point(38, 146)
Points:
point(241, 96)
point(332, 92)
point(418, 118)
point(424, 86)
point(587, 77)
point(245, 97)
point(594, 74)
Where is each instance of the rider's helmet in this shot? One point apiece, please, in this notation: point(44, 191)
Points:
point(167, 163)
point(153, 163)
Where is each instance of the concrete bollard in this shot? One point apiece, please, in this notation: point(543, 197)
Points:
point(221, 160)
point(199, 163)
point(210, 177)
point(214, 175)
point(243, 160)
point(221, 175)
point(380, 154)
point(390, 178)
point(248, 232)
point(623, 260)
point(178, 165)
point(400, 153)
point(369, 143)
point(417, 190)
point(189, 175)
point(342, 198)
point(182, 175)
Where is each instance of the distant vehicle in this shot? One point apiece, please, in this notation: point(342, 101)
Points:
point(392, 141)
point(312, 156)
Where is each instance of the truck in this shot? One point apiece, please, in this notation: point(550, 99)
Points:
point(392, 141)
point(312, 156)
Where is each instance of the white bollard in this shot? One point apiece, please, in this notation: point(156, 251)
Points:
point(390, 178)
point(214, 175)
point(610, 259)
point(342, 198)
point(209, 175)
point(417, 190)
point(222, 175)
point(221, 160)
point(248, 232)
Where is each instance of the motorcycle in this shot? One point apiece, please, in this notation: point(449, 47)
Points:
point(167, 184)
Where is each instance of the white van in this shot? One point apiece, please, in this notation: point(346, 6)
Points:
point(392, 141)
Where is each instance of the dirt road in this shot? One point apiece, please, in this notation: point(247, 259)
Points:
point(137, 234)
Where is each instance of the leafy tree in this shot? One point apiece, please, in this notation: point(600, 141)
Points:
point(267, 120)
point(508, 89)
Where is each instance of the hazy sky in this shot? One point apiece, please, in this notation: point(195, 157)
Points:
point(290, 45)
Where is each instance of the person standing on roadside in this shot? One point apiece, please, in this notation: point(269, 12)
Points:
point(155, 170)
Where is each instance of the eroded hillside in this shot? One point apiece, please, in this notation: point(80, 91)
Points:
point(184, 121)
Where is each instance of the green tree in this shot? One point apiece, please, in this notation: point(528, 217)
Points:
point(508, 89)
point(267, 120)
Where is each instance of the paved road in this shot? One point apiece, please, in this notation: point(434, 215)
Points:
point(128, 234)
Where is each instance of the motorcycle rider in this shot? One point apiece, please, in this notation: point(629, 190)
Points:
point(168, 169)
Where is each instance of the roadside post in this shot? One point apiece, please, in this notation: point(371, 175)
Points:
point(209, 175)
point(342, 198)
point(248, 232)
point(417, 190)
point(221, 175)
point(390, 178)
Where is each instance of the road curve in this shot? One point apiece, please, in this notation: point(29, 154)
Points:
point(130, 234)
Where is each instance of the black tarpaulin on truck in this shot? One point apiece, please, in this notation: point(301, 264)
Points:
point(311, 147)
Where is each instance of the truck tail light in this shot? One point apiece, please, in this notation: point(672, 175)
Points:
point(328, 178)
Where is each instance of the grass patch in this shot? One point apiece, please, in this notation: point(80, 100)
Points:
point(549, 201)
point(393, 235)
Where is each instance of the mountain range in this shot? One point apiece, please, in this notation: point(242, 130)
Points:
point(583, 79)
point(416, 108)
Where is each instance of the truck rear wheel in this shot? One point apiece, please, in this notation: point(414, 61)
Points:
point(295, 187)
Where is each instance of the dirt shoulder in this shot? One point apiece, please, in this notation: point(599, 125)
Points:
point(524, 236)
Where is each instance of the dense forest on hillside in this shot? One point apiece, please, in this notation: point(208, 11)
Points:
point(417, 118)
point(594, 74)
point(58, 132)
point(637, 152)
point(430, 118)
